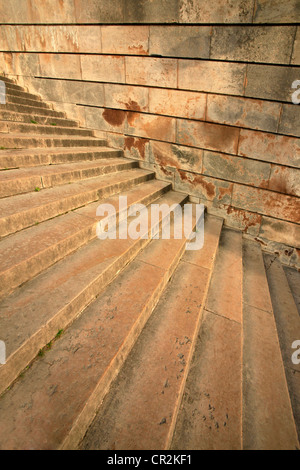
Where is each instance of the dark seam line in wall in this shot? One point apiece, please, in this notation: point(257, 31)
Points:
point(154, 56)
point(161, 88)
point(223, 25)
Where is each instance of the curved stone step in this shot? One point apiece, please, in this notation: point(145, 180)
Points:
point(149, 388)
point(26, 180)
point(52, 129)
point(92, 267)
point(36, 119)
point(268, 421)
point(27, 253)
point(15, 141)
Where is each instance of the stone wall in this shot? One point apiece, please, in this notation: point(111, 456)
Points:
point(200, 91)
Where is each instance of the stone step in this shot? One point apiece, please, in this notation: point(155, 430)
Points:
point(75, 282)
point(210, 416)
point(36, 103)
point(21, 94)
point(36, 119)
point(24, 158)
point(23, 211)
point(25, 254)
point(288, 327)
point(147, 393)
point(24, 128)
point(27, 180)
point(32, 110)
point(7, 80)
point(16, 141)
point(268, 421)
point(13, 86)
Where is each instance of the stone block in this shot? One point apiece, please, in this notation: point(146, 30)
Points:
point(15, 11)
point(137, 148)
point(218, 11)
point(264, 44)
point(266, 202)
point(280, 231)
point(176, 156)
point(177, 103)
point(150, 126)
point(21, 64)
point(151, 71)
point(206, 188)
point(274, 83)
point(271, 148)
point(290, 120)
point(285, 180)
point(112, 120)
point(103, 68)
point(155, 11)
point(83, 93)
point(276, 11)
point(125, 40)
point(214, 77)
point(207, 136)
point(243, 112)
point(241, 170)
point(99, 11)
point(132, 98)
point(51, 11)
point(59, 66)
point(180, 41)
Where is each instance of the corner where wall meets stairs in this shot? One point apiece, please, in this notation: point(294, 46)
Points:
point(131, 343)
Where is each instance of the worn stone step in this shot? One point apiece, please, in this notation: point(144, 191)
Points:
point(7, 80)
point(24, 128)
point(13, 86)
point(15, 141)
point(148, 390)
point(268, 422)
point(32, 110)
point(210, 415)
point(36, 119)
point(22, 211)
point(81, 365)
point(75, 282)
point(36, 103)
point(9, 91)
point(288, 327)
point(26, 180)
point(25, 254)
point(24, 158)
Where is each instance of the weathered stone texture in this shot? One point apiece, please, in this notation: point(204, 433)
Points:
point(207, 136)
point(125, 40)
point(270, 82)
point(271, 148)
point(180, 41)
point(219, 11)
point(151, 71)
point(241, 170)
point(214, 77)
point(276, 11)
point(177, 103)
point(99, 11)
point(242, 112)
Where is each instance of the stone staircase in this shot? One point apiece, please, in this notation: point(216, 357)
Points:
point(130, 343)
